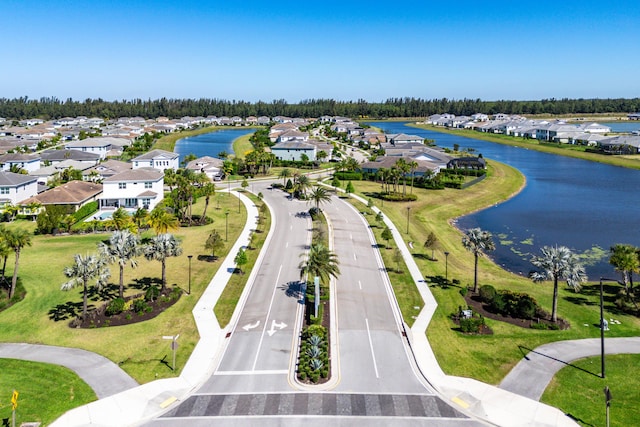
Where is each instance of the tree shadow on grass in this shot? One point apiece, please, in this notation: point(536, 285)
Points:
point(525, 350)
point(145, 283)
point(208, 258)
point(106, 293)
point(66, 311)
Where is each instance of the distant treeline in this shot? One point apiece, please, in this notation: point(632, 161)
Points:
point(53, 108)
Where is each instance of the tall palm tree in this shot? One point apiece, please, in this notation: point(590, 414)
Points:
point(302, 184)
point(160, 248)
point(162, 221)
point(84, 269)
point(319, 195)
point(413, 165)
point(123, 248)
point(16, 240)
point(555, 263)
point(140, 217)
point(625, 260)
point(320, 262)
point(477, 241)
point(207, 190)
point(120, 219)
point(284, 174)
point(403, 167)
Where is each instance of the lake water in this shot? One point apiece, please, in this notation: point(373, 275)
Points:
point(629, 126)
point(584, 205)
point(209, 144)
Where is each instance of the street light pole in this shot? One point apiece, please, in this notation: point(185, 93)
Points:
point(408, 209)
point(226, 226)
point(189, 256)
point(446, 267)
point(601, 328)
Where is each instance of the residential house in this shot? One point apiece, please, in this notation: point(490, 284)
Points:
point(105, 170)
point(133, 189)
point(401, 138)
point(56, 156)
point(293, 135)
point(157, 159)
point(387, 162)
point(73, 194)
point(467, 163)
point(15, 187)
point(293, 150)
point(101, 145)
point(28, 162)
point(210, 166)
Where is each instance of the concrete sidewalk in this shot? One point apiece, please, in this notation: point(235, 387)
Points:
point(533, 373)
point(102, 375)
point(140, 404)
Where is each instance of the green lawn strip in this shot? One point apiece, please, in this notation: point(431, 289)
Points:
point(45, 391)
point(569, 150)
point(404, 288)
point(138, 348)
point(486, 358)
point(581, 394)
point(242, 146)
point(231, 294)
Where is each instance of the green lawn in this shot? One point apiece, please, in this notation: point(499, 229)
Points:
point(578, 392)
point(43, 316)
point(45, 391)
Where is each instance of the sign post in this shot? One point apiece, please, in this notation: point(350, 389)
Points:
point(607, 398)
point(316, 300)
point(14, 405)
point(174, 347)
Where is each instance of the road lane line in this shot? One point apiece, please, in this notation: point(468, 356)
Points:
point(260, 372)
point(273, 295)
point(360, 284)
point(373, 355)
point(354, 257)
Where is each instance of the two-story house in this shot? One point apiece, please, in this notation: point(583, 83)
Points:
point(133, 189)
point(157, 159)
point(15, 187)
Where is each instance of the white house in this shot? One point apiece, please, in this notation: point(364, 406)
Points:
point(28, 162)
point(157, 159)
point(15, 187)
point(210, 166)
point(100, 146)
point(133, 189)
point(293, 150)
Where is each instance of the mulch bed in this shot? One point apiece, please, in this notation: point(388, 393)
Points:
point(98, 319)
point(479, 307)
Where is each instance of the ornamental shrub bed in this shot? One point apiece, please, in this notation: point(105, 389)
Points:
point(313, 360)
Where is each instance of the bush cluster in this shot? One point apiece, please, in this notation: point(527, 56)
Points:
point(399, 197)
point(115, 306)
point(348, 176)
point(508, 303)
point(313, 360)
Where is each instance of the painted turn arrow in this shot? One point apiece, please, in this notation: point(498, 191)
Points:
point(275, 325)
point(251, 326)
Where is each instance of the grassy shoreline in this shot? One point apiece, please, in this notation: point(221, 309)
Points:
point(568, 150)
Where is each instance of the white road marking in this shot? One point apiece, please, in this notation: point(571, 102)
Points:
point(351, 236)
point(286, 245)
point(268, 314)
point(360, 284)
point(251, 326)
point(373, 355)
point(275, 325)
point(354, 256)
point(261, 372)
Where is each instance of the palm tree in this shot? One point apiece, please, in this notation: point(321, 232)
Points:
point(139, 217)
point(625, 260)
point(120, 219)
point(284, 174)
point(123, 248)
point(558, 262)
point(160, 248)
point(321, 262)
point(477, 241)
point(207, 191)
point(162, 221)
point(302, 184)
point(413, 165)
point(16, 240)
point(83, 270)
point(319, 195)
point(403, 167)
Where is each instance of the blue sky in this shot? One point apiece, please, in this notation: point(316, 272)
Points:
point(345, 50)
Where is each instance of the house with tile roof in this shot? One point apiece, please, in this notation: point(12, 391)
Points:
point(105, 170)
point(73, 194)
point(157, 159)
point(133, 189)
point(293, 150)
point(15, 187)
point(56, 156)
point(100, 145)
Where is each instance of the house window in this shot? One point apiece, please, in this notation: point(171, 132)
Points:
point(136, 164)
point(4, 190)
point(148, 185)
point(122, 185)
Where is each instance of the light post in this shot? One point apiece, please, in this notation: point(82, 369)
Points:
point(189, 256)
point(446, 266)
point(408, 209)
point(226, 226)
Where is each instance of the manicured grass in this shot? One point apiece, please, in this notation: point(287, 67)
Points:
point(138, 348)
point(229, 298)
point(486, 358)
point(579, 393)
point(242, 146)
point(632, 162)
point(45, 391)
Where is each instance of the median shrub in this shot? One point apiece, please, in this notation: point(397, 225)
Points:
point(115, 306)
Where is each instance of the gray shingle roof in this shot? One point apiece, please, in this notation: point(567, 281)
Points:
point(14, 179)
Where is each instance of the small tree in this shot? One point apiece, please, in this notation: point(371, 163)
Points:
point(387, 235)
point(431, 243)
point(214, 242)
point(379, 218)
point(244, 184)
point(397, 259)
point(349, 189)
point(335, 182)
point(240, 259)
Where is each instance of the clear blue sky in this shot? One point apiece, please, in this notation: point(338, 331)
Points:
point(346, 50)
